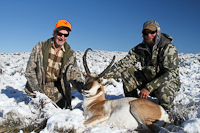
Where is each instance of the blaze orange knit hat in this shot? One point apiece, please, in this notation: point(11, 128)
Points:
point(63, 23)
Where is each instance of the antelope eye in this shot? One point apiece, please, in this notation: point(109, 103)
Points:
point(99, 81)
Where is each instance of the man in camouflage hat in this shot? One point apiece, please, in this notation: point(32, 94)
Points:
point(152, 67)
point(52, 67)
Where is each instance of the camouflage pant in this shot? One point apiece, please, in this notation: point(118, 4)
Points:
point(134, 79)
point(52, 91)
point(166, 94)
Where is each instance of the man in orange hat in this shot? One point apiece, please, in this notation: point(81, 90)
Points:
point(52, 67)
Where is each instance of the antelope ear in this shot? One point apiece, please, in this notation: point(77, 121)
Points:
point(84, 74)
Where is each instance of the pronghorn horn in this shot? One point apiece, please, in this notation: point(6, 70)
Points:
point(85, 62)
point(108, 67)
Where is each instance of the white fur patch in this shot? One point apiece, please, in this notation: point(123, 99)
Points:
point(164, 115)
point(93, 90)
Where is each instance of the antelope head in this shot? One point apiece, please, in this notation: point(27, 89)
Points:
point(94, 82)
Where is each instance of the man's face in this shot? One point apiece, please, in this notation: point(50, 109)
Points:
point(149, 36)
point(60, 37)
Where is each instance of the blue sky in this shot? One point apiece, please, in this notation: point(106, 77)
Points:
point(109, 25)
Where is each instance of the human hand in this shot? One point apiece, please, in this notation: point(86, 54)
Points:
point(144, 93)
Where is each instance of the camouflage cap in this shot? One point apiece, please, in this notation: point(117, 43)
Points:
point(150, 27)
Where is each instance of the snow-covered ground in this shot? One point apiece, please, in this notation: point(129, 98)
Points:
point(15, 105)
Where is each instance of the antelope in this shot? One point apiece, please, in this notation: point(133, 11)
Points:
point(129, 112)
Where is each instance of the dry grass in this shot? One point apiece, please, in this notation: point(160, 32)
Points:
point(14, 125)
point(63, 130)
point(4, 128)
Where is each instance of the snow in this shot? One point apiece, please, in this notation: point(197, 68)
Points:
point(16, 105)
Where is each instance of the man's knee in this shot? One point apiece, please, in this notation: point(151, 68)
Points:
point(129, 92)
point(52, 91)
point(166, 95)
point(166, 102)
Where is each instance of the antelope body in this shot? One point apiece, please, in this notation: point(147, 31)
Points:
point(132, 113)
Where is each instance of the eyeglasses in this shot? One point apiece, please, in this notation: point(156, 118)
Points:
point(147, 32)
point(60, 34)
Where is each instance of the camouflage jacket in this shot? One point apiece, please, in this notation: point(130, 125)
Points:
point(37, 64)
point(159, 66)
